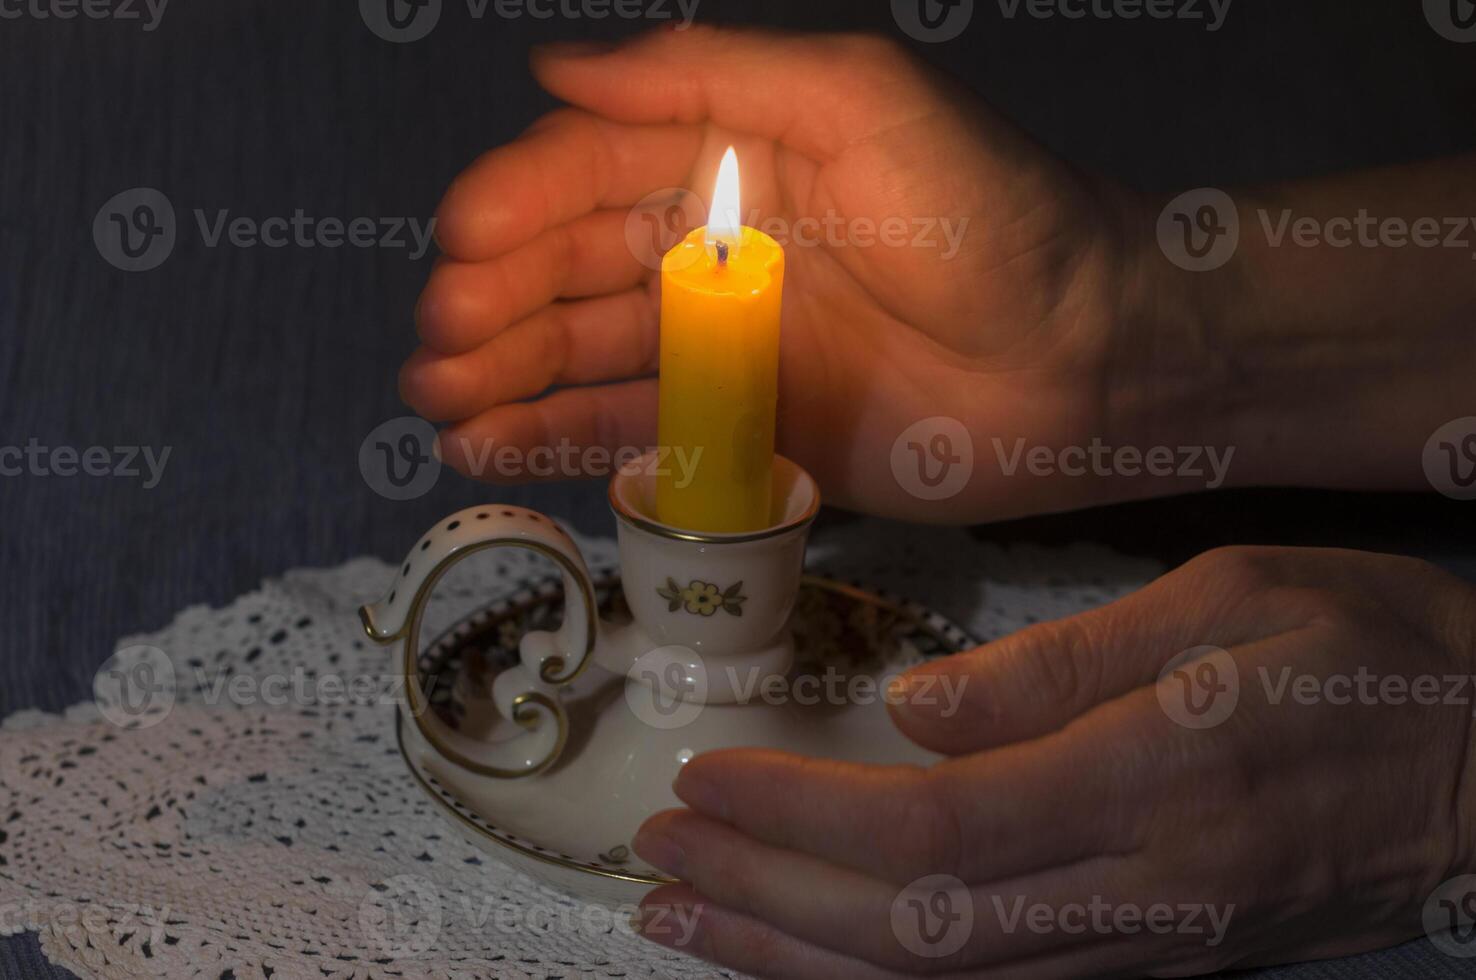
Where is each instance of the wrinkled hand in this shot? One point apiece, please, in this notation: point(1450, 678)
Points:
point(1003, 319)
point(1321, 794)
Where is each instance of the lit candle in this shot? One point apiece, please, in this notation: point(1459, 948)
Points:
point(720, 289)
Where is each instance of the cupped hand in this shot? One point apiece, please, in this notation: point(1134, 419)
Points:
point(1297, 788)
point(939, 264)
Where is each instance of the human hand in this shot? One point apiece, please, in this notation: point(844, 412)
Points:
point(1019, 327)
point(1293, 827)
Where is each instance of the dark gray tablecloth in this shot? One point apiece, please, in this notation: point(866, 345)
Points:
point(263, 369)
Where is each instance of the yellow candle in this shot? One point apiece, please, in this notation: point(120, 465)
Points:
point(720, 290)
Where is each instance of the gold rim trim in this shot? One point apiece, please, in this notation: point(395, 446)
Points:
point(409, 632)
point(642, 523)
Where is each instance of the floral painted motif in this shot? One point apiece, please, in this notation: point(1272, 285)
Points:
point(703, 598)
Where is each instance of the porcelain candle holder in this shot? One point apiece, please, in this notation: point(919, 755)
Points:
point(710, 615)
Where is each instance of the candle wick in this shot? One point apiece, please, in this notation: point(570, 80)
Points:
point(722, 253)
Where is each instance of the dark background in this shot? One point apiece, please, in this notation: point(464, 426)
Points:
point(264, 369)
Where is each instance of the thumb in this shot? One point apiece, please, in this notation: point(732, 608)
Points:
point(814, 93)
point(1038, 680)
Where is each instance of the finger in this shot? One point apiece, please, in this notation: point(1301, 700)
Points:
point(465, 304)
point(677, 917)
point(568, 164)
point(1037, 680)
point(852, 914)
point(1000, 814)
point(681, 918)
point(804, 896)
point(609, 338)
point(571, 433)
point(815, 93)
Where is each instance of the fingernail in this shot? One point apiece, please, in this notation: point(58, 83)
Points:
point(661, 851)
point(702, 795)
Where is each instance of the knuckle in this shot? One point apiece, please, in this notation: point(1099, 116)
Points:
point(1316, 605)
point(1239, 568)
point(931, 824)
point(731, 877)
point(1062, 665)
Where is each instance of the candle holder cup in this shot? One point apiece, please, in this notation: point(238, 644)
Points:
point(710, 612)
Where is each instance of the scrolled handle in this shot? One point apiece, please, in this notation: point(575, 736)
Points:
point(525, 695)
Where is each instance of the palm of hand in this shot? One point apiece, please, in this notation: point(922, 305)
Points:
point(929, 293)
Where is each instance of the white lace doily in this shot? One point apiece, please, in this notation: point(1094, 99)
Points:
point(264, 824)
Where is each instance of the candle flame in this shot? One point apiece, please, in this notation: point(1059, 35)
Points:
point(724, 222)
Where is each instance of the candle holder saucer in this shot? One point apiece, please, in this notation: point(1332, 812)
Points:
point(571, 826)
point(556, 745)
